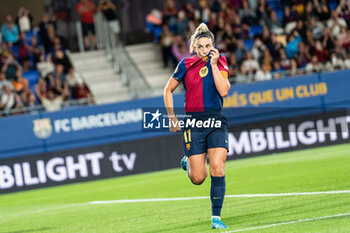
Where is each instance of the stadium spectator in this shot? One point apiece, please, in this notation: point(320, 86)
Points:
point(182, 23)
point(31, 101)
point(336, 61)
point(24, 20)
point(166, 40)
point(73, 80)
point(153, 23)
point(240, 51)
point(24, 51)
point(347, 62)
point(20, 83)
point(109, 11)
point(315, 31)
point(46, 23)
point(41, 87)
point(322, 10)
point(86, 10)
point(10, 67)
point(9, 31)
point(45, 66)
point(262, 74)
point(247, 14)
point(251, 65)
point(81, 91)
point(294, 70)
point(18, 106)
point(169, 15)
point(274, 23)
point(267, 60)
point(292, 45)
point(320, 52)
point(206, 13)
point(335, 24)
point(262, 12)
point(229, 38)
point(54, 100)
point(240, 29)
point(278, 71)
point(290, 18)
point(258, 49)
point(303, 55)
point(314, 66)
point(7, 99)
point(232, 65)
point(4, 81)
point(242, 77)
point(274, 46)
point(61, 59)
point(24, 95)
point(285, 62)
point(179, 48)
point(36, 50)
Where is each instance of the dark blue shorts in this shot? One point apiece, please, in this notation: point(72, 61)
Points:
point(197, 140)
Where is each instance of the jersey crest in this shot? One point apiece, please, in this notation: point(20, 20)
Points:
point(203, 71)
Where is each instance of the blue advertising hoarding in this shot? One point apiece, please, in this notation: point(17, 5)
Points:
point(103, 124)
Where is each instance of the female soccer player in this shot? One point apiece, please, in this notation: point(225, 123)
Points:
point(205, 78)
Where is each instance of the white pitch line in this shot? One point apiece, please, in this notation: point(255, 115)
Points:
point(227, 196)
point(290, 222)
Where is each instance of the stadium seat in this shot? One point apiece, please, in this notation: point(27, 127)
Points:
point(274, 4)
point(32, 76)
point(15, 50)
point(332, 5)
point(248, 44)
point(279, 14)
point(29, 36)
point(155, 30)
point(255, 30)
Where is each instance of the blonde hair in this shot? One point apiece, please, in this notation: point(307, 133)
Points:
point(201, 31)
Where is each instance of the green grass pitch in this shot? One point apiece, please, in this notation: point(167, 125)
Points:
point(67, 209)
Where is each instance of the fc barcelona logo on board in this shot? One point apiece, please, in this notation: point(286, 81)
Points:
point(42, 128)
point(203, 72)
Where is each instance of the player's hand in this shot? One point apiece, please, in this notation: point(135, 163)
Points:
point(214, 55)
point(174, 124)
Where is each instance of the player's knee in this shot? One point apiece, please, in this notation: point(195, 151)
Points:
point(217, 169)
point(198, 180)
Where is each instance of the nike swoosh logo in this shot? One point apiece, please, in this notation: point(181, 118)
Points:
point(216, 198)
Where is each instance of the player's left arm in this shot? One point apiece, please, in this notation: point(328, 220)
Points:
point(220, 73)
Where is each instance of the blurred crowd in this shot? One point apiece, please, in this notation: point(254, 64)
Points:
point(261, 39)
point(35, 67)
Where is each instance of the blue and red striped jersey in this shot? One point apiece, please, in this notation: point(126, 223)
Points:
point(197, 76)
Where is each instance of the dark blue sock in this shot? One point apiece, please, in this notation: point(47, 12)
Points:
point(217, 194)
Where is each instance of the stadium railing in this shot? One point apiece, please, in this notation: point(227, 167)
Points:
point(287, 74)
point(130, 74)
point(39, 108)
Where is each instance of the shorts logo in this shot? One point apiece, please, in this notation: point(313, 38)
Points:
point(42, 128)
point(203, 72)
point(188, 146)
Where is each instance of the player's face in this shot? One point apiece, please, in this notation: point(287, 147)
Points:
point(203, 46)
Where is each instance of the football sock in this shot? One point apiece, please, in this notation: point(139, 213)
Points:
point(217, 194)
point(188, 169)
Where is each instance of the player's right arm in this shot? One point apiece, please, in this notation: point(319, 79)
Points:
point(168, 101)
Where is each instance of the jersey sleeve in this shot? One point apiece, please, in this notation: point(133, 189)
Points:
point(180, 71)
point(223, 67)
